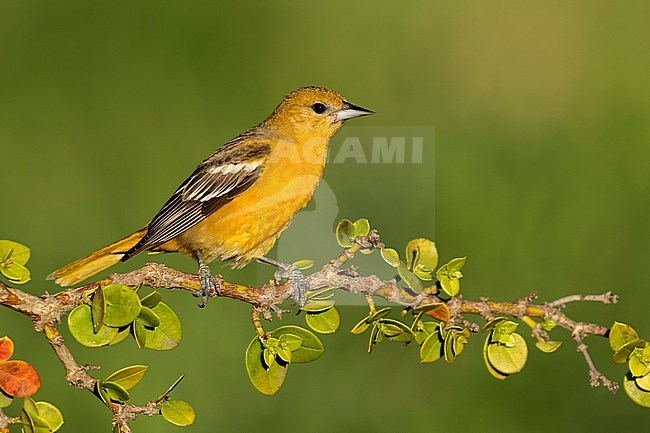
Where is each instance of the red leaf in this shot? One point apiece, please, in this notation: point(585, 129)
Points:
point(441, 312)
point(6, 348)
point(19, 379)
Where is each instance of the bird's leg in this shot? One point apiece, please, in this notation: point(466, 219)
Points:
point(293, 275)
point(208, 281)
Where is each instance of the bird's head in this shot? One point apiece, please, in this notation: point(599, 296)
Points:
point(315, 110)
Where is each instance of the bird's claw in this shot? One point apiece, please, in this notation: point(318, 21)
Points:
point(298, 281)
point(209, 284)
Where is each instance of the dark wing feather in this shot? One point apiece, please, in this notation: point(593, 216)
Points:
point(220, 178)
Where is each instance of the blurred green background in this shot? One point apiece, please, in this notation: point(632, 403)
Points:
point(542, 159)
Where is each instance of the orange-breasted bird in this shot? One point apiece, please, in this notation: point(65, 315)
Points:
point(240, 198)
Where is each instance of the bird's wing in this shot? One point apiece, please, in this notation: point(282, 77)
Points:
point(224, 175)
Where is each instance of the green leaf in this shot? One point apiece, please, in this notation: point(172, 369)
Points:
point(103, 394)
point(619, 334)
point(636, 394)
point(361, 227)
point(379, 314)
point(122, 333)
point(455, 265)
point(492, 323)
point(505, 327)
point(425, 329)
point(148, 317)
point(51, 414)
point(116, 391)
point(548, 346)
point(122, 305)
point(621, 355)
point(290, 341)
point(317, 305)
point(422, 273)
point(449, 276)
point(637, 367)
point(395, 330)
point(97, 309)
point(375, 336)
point(548, 324)
point(643, 382)
point(139, 333)
point(303, 264)
point(448, 348)
point(15, 272)
point(451, 286)
point(178, 413)
point(421, 252)
point(151, 300)
point(128, 377)
point(345, 231)
point(32, 420)
point(268, 356)
point(508, 360)
point(325, 322)
point(311, 347)
point(390, 256)
point(168, 334)
point(80, 324)
point(431, 349)
point(29, 405)
point(267, 381)
point(14, 251)
point(361, 327)
point(5, 400)
point(34, 423)
point(409, 278)
point(171, 388)
point(284, 354)
point(496, 374)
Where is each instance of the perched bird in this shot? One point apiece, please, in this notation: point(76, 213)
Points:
point(241, 197)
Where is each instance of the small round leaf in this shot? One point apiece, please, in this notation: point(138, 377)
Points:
point(128, 377)
point(311, 347)
point(267, 379)
point(168, 334)
point(80, 324)
point(431, 349)
point(325, 322)
point(390, 256)
point(636, 394)
point(178, 412)
point(122, 305)
point(509, 360)
point(620, 334)
point(51, 414)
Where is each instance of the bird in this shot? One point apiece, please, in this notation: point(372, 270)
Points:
point(240, 198)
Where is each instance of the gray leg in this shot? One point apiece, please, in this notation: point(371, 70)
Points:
point(293, 275)
point(208, 281)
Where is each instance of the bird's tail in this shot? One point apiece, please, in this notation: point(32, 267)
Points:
point(96, 262)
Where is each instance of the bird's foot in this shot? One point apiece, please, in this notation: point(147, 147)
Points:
point(298, 281)
point(293, 275)
point(209, 284)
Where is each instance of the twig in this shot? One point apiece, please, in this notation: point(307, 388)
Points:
point(46, 311)
point(5, 420)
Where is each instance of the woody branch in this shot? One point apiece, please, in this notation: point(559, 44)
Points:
point(47, 310)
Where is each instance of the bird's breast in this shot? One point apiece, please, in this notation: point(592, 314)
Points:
point(248, 226)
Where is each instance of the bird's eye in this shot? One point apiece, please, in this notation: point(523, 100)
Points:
point(319, 108)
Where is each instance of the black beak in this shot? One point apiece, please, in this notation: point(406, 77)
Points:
point(350, 111)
